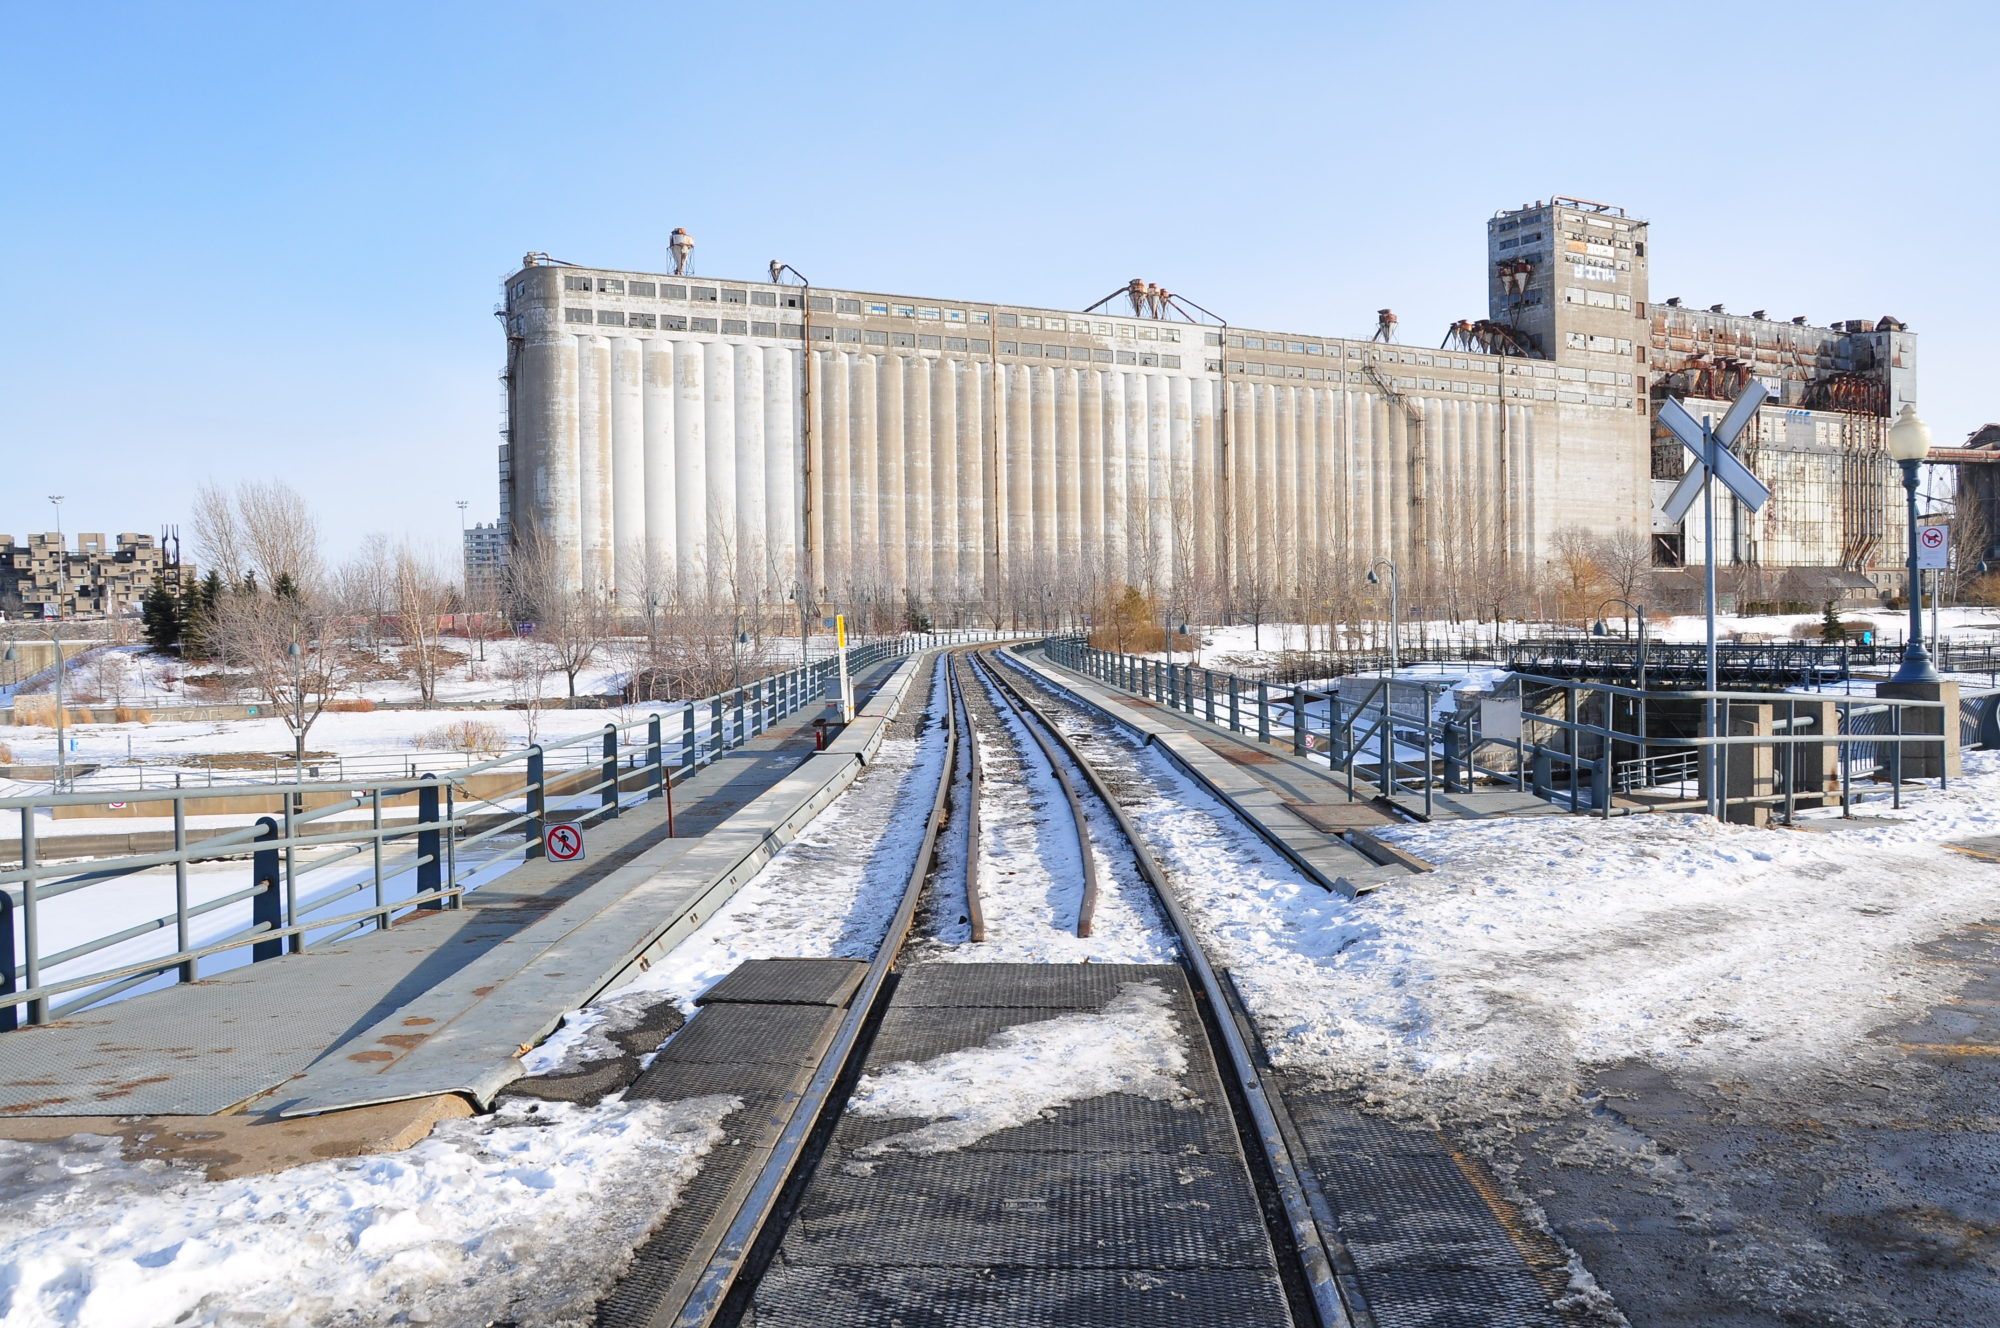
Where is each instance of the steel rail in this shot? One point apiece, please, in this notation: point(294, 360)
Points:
point(1086, 908)
point(1230, 1025)
point(740, 1252)
point(734, 1251)
point(975, 912)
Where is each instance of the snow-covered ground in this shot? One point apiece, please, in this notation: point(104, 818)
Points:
point(1481, 996)
point(1543, 946)
point(1029, 871)
point(830, 893)
point(456, 1230)
point(1133, 1045)
point(1250, 649)
point(135, 675)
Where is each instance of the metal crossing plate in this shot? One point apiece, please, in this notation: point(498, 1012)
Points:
point(788, 982)
point(794, 1296)
point(1058, 986)
point(1051, 1210)
point(920, 1032)
point(668, 1080)
point(662, 1264)
point(1115, 1123)
point(772, 1034)
point(1459, 1298)
point(1428, 1246)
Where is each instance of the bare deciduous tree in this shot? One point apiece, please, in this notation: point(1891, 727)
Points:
point(285, 643)
point(423, 595)
point(572, 625)
point(1576, 575)
point(260, 529)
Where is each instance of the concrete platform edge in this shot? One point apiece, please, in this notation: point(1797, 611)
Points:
point(719, 862)
point(1262, 810)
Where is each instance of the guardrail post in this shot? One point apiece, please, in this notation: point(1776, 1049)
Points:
point(607, 796)
point(430, 845)
point(538, 801)
point(181, 936)
point(1298, 720)
point(31, 934)
point(741, 736)
point(10, 1014)
point(1540, 769)
point(1600, 783)
point(265, 908)
point(688, 754)
point(1263, 712)
point(1455, 734)
point(656, 773)
point(760, 718)
point(716, 713)
point(1235, 715)
point(1208, 693)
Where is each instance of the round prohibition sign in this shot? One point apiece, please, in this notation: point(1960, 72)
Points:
point(565, 843)
point(1932, 537)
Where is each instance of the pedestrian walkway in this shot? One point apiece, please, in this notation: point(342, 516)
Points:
point(443, 1001)
point(1322, 793)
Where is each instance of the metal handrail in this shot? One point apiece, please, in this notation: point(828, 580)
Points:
point(636, 759)
point(1372, 721)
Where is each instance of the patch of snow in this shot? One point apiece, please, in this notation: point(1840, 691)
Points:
point(524, 1215)
point(828, 894)
point(1023, 1073)
point(1029, 878)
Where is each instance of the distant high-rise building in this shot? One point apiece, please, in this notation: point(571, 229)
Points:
point(485, 560)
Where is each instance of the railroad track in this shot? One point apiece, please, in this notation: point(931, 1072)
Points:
point(724, 1291)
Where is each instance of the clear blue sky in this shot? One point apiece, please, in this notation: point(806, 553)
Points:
point(264, 240)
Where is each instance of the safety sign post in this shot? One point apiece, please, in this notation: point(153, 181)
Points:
point(565, 843)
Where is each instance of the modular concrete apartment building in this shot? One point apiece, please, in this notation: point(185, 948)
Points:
point(794, 439)
point(47, 577)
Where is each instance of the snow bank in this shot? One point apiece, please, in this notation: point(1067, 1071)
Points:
point(526, 1215)
point(829, 894)
point(1544, 947)
point(1030, 875)
point(1133, 1045)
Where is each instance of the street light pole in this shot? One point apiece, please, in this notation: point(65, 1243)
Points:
point(62, 738)
point(1395, 611)
point(62, 554)
point(1639, 612)
point(1909, 443)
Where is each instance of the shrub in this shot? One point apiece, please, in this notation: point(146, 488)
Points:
point(463, 735)
point(133, 715)
point(6, 754)
point(350, 706)
point(31, 711)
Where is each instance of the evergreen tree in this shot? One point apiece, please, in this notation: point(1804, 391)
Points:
point(284, 587)
point(161, 614)
point(1831, 628)
point(198, 605)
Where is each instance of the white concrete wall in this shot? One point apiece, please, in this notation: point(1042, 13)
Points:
point(955, 474)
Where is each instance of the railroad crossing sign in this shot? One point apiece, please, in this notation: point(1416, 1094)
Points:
point(1711, 452)
point(1934, 547)
point(565, 843)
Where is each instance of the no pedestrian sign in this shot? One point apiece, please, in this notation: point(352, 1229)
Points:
point(565, 843)
point(1934, 547)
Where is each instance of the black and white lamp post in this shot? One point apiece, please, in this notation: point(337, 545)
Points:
point(1909, 444)
point(1395, 611)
